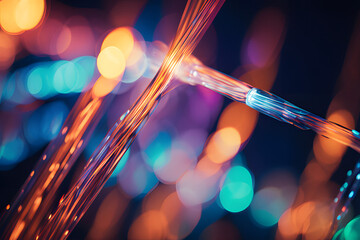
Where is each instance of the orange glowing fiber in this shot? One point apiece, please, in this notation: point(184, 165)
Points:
point(195, 20)
point(38, 195)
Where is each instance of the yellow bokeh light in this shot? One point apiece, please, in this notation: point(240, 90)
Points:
point(16, 16)
point(7, 17)
point(29, 13)
point(111, 62)
point(121, 38)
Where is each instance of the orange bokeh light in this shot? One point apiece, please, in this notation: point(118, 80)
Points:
point(7, 17)
point(181, 219)
point(8, 46)
point(328, 151)
point(240, 117)
point(29, 13)
point(121, 38)
point(223, 145)
point(103, 86)
point(17, 16)
point(149, 225)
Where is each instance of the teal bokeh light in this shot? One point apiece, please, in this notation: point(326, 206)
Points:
point(237, 191)
point(352, 229)
point(268, 206)
point(12, 152)
point(155, 153)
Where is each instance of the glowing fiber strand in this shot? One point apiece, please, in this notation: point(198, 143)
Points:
point(196, 19)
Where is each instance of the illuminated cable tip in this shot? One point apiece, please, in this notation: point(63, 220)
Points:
point(351, 194)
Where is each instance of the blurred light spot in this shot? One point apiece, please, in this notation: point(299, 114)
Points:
point(195, 139)
point(319, 223)
point(155, 52)
point(66, 77)
point(108, 215)
point(224, 145)
point(29, 13)
point(111, 62)
point(352, 229)
point(121, 38)
point(8, 50)
point(181, 219)
point(240, 117)
point(157, 151)
point(64, 40)
point(135, 71)
point(85, 67)
point(237, 193)
point(339, 235)
point(196, 187)
point(278, 190)
point(328, 151)
point(149, 225)
point(137, 53)
point(53, 117)
point(154, 200)
point(103, 86)
point(8, 16)
point(268, 205)
point(35, 82)
point(45, 123)
point(178, 161)
point(136, 180)
point(78, 42)
point(11, 152)
point(311, 219)
point(287, 226)
point(21, 94)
